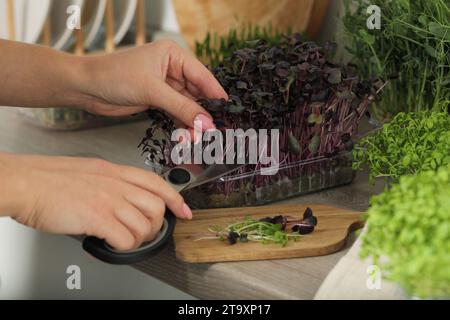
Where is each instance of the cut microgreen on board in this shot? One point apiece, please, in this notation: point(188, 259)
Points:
point(278, 229)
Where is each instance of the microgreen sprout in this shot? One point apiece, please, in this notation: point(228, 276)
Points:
point(279, 229)
point(408, 233)
point(291, 86)
point(409, 144)
point(412, 46)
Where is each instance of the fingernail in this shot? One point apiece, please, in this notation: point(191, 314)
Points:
point(187, 211)
point(206, 122)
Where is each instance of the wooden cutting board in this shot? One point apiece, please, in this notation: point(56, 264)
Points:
point(197, 17)
point(334, 225)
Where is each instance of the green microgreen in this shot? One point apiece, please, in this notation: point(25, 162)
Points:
point(214, 48)
point(408, 233)
point(279, 229)
point(410, 143)
point(412, 46)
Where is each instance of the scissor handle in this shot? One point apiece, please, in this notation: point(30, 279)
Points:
point(102, 251)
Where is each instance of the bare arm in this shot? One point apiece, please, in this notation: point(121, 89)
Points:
point(37, 76)
point(121, 204)
point(160, 74)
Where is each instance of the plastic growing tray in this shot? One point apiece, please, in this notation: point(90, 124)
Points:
point(293, 179)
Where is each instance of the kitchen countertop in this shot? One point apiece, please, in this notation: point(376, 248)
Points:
point(275, 279)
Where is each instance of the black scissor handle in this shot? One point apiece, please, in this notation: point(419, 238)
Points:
point(102, 251)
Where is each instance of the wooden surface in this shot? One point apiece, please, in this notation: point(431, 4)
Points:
point(10, 17)
point(328, 237)
point(109, 25)
point(317, 16)
point(275, 279)
point(197, 17)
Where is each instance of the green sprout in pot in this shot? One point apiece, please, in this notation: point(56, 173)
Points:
point(410, 143)
point(408, 233)
point(214, 48)
point(412, 46)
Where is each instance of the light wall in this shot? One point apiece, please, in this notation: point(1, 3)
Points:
point(33, 265)
point(161, 15)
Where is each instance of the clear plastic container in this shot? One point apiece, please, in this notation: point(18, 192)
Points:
point(71, 119)
point(293, 179)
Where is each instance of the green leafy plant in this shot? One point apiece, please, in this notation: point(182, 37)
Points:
point(410, 143)
point(214, 48)
point(412, 46)
point(408, 233)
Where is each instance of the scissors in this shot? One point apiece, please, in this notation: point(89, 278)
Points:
point(182, 177)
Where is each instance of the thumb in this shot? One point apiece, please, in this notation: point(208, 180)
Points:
point(181, 108)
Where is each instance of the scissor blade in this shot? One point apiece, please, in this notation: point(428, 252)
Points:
point(202, 173)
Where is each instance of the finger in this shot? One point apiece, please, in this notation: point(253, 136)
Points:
point(180, 125)
point(176, 84)
point(143, 179)
point(150, 205)
point(197, 74)
point(158, 186)
point(182, 108)
point(146, 180)
point(135, 221)
point(189, 90)
point(188, 94)
point(193, 90)
point(114, 233)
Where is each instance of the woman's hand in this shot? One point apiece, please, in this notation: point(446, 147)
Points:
point(160, 74)
point(123, 205)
